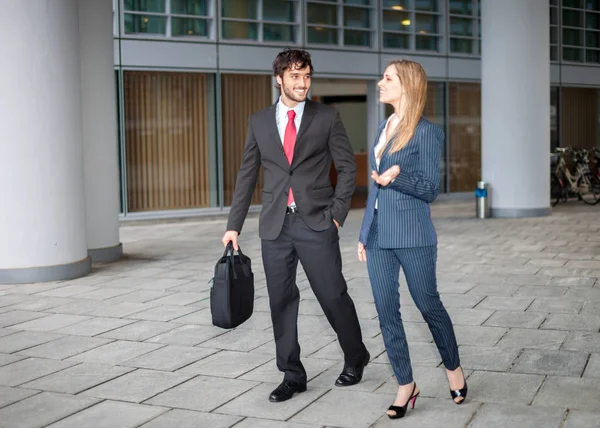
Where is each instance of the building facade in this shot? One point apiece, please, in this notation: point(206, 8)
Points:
point(149, 120)
point(190, 72)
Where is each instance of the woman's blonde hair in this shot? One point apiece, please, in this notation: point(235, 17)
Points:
point(414, 84)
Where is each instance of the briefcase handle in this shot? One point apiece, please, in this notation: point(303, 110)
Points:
point(229, 252)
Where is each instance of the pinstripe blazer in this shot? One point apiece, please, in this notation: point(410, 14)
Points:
point(403, 215)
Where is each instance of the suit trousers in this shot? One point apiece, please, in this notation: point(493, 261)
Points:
point(319, 253)
point(419, 266)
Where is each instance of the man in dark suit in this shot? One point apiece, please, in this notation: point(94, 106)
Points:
point(295, 141)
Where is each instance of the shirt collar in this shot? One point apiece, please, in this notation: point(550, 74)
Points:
point(283, 109)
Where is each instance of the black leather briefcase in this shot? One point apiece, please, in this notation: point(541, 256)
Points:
point(232, 292)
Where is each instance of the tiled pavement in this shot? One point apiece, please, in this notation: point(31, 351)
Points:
point(132, 344)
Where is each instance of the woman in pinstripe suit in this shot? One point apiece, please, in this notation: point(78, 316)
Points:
point(397, 230)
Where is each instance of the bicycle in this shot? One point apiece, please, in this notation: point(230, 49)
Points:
point(583, 184)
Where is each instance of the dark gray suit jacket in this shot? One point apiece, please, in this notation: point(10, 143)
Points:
point(320, 139)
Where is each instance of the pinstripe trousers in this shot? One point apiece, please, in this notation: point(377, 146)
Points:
point(419, 266)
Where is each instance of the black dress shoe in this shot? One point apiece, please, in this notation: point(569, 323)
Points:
point(351, 375)
point(286, 390)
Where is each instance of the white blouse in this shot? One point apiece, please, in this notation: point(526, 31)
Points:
point(381, 144)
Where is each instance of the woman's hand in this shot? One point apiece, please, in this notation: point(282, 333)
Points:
point(362, 253)
point(387, 177)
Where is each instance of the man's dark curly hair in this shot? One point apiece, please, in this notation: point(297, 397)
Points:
point(289, 58)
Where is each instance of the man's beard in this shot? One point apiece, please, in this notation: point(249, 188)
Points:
point(293, 95)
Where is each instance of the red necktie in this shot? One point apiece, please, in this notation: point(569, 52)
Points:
point(289, 140)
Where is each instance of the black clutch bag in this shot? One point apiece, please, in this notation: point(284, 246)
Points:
point(232, 292)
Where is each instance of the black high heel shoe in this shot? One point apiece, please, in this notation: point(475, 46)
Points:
point(457, 393)
point(401, 410)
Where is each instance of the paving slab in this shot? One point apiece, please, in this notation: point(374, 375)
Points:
point(77, 378)
point(501, 416)
point(137, 386)
point(170, 358)
point(569, 392)
point(190, 419)
point(13, 395)
point(110, 414)
point(347, 413)
point(64, 347)
point(558, 363)
point(582, 419)
point(523, 295)
point(433, 413)
point(508, 388)
point(254, 403)
point(29, 369)
point(42, 409)
point(204, 393)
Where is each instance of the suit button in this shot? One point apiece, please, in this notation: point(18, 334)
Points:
point(291, 173)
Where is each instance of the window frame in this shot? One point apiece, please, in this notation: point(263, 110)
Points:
point(583, 29)
point(412, 33)
point(371, 30)
point(209, 19)
point(475, 17)
point(260, 22)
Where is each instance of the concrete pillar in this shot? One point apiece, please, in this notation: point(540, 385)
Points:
point(515, 104)
point(42, 219)
point(100, 130)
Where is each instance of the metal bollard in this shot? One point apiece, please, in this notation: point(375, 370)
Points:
point(482, 201)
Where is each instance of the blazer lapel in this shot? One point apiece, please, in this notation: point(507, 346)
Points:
point(309, 113)
point(307, 117)
point(373, 154)
point(274, 132)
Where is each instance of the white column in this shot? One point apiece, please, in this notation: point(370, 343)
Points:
point(100, 132)
point(515, 106)
point(42, 216)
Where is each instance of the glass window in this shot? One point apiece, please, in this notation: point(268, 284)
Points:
point(321, 14)
point(246, 9)
point(396, 4)
point(189, 7)
point(167, 18)
point(572, 18)
point(356, 17)
point(578, 4)
point(396, 21)
point(322, 35)
point(592, 39)
point(145, 24)
point(427, 5)
point(266, 20)
point(573, 54)
point(464, 136)
point(461, 27)
point(411, 25)
point(572, 37)
point(277, 10)
point(461, 45)
point(580, 31)
point(396, 41)
point(156, 6)
point(188, 27)
point(461, 7)
point(592, 21)
point(592, 56)
point(240, 30)
point(464, 27)
point(592, 5)
point(169, 133)
point(345, 23)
